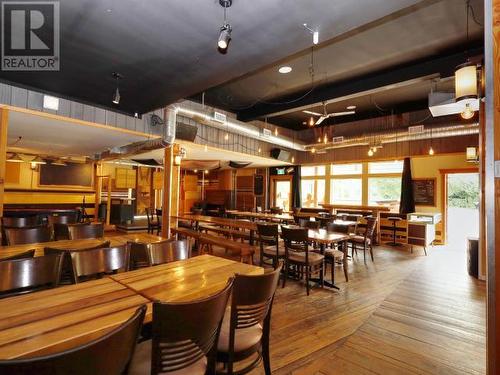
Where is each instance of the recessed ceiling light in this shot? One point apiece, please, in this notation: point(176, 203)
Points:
point(351, 107)
point(285, 69)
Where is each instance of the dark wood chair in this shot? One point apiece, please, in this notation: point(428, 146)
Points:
point(62, 219)
point(299, 260)
point(83, 231)
point(276, 210)
point(60, 223)
point(67, 276)
point(333, 227)
point(184, 337)
point(28, 275)
point(167, 251)
point(152, 223)
point(110, 354)
point(95, 263)
point(21, 236)
point(246, 326)
point(270, 248)
point(311, 224)
point(20, 222)
point(25, 255)
point(364, 242)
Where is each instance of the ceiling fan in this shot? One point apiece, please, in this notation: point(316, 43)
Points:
point(325, 115)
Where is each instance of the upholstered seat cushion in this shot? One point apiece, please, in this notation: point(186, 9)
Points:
point(244, 338)
point(359, 239)
point(271, 250)
point(301, 257)
point(141, 362)
point(334, 253)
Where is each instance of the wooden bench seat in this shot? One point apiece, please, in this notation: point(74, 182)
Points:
point(186, 232)
point(245, 251)
point(235, 234)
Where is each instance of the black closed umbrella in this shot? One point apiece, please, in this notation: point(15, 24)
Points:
point(407, 202)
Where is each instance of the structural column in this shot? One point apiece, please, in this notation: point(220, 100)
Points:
point(171, 181)
point(4, 124)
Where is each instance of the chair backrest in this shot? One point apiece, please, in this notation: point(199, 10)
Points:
point(20, 222)
point(312, 224)
point(183, 333)
point(25, 255)
point(149, 215)
point(333, 227)
point(97, 262)
point(82, 231)
point(251, 301)
point(167, 251)
point(276, 210)
point(295, 238)
point(197, 211)
point(62, 219)
point(27, 275)
point(158, 215)
point(371, 224)
point(109, 354)
point(20, 236)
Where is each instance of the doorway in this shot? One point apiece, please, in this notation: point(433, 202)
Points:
point(282, 192)
point(462, 208)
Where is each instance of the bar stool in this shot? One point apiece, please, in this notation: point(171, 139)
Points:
point(394, 220)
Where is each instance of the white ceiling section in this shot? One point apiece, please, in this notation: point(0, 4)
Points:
point(197, 152)
point(50, 135)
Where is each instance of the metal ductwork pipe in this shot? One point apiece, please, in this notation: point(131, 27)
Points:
point(401, 136)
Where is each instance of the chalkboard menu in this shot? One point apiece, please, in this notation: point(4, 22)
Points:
point(424, 191)
point(258, 185)
point(73, 174)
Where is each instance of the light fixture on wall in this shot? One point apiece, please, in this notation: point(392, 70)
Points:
point(226, 137)
point(293, 159)
point(177, 160)
point(313, 150)
point(116, 96)
point(325, 138)
point(225, 30)
point(259, 150)
point(370, 152)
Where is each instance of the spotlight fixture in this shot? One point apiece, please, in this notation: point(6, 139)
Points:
point(116, 96)
point(467, 113)
point(315, 33)
point(285, 69)
point(225, 30)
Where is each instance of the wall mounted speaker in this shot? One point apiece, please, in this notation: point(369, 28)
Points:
point(280, 154)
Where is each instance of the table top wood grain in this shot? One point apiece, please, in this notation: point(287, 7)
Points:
point(53, 320)
point(194, 278)
point(116, 240)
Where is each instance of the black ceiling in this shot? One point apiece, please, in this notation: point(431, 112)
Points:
point(166, 49)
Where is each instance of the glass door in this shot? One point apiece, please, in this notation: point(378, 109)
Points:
point(282, 190)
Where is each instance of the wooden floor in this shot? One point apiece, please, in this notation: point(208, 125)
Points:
point(403, 314)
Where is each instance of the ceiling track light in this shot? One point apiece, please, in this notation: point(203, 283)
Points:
point(315, 33)
point(116, 96)
point(225, 30)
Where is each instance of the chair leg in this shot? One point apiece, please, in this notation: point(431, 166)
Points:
point(364, 253)
point(333, 270)
point(345, 268)
point(307, 280)
point(322, 275)
point(285, 276)
point(265, 355)
point(371, 252)
point(425, 250)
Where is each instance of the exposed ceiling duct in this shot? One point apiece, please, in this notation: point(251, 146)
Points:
point(400, 136)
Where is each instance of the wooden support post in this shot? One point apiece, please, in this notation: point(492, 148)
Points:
point(97, 188)
point(108, 203)
point(4, 124)
point(168, 163)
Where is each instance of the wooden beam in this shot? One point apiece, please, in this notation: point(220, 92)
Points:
point(97, 189)
point(4, 124)
point(108, 203)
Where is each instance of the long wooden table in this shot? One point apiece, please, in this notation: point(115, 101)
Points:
point(262, 215)
point(53, 320)
point(118, 240)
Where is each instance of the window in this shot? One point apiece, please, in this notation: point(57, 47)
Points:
point(313, 192)
point(346, 169)
point(385, 167)
point(346, 191)
point(319, 170)
point(384, 190)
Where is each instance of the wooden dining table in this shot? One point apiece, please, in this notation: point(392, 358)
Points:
point(115, 240)
point(53, 320)
point(283, 218)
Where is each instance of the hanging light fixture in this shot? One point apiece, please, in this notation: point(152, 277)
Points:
point(276, 131)
point(466, 91)
point(225, 30)
point(370, 152)
point(38, 160)
point(431, 150)
point(325, 139)
point(313, 150)
point(116, 96)
point(311, 121)
point(293, 159)
point(319, 139)
point(226, 137)
point(259, 150)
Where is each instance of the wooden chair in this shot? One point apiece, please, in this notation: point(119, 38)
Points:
point(332, 227)
point(276, 210)
point(151, 254)
point(246, 326)
point(109, 354)
point(298, 258)
point(270, 248)
point(364, 242)
point(28, 275)
point(184, 337)
point(17, 222)
point(86, 230)
point(67, 276)
point(25, 255)
point(311, 224)
point(152, 223)
point(95, 263)
point(60, 223)
point(62, 219)
point(21, 236)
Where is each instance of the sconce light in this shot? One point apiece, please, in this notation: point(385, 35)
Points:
point(177, 160)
